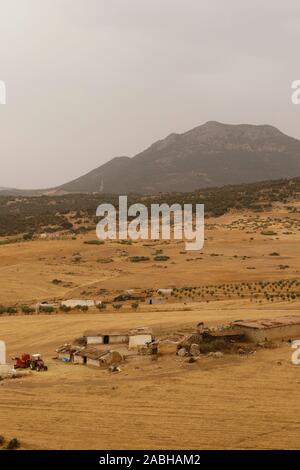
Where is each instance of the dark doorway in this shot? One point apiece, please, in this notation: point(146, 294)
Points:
point(105, 339)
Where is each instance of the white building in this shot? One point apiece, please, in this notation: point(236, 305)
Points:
point(165, 291)
point(134, 338)
point(5, 369)
point(269, 329)
point(73, 303)
point(106, 337)
point(2, 353)
point(139, 337)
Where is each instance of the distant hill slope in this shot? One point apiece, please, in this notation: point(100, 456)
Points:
point(75, 213)
point(213, 154)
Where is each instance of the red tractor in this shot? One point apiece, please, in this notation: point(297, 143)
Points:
point(22, 362)
point(34, 362)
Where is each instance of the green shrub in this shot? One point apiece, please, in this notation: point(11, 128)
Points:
point(105, 260)
point(13, 444)
point(268, 232)
point(26, 309)
point(161, 258)
point(46, 309)
point(11, 310)
point(64, 308)
point(101, 306)
point(83, 308)
point(28, 236)
point(4, 242)
point(137, 259)
point(117, 306)
point(93, 242)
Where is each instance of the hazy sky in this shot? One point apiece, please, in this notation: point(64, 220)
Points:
point(88, 80)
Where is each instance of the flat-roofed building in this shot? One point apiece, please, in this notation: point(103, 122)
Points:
point(269, 329)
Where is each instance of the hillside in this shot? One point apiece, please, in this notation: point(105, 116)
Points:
point(213, 154)
point(75, 213)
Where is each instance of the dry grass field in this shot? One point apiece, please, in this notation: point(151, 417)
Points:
point(240, 402)
point(235, 250)
point(233, 402)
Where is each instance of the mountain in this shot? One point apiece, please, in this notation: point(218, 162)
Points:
point(213, 154)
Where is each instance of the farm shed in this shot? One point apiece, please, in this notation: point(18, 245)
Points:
point(270, 329)
point(93, 357)
point(81, 355)
point(66, 353)
point(139, 337)
point(106, 337)
point(97, 358)
point(155, 301)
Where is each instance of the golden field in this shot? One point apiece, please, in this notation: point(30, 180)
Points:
point(238, 402)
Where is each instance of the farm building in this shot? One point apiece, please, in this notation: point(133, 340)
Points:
point(155, 301)
point(73, 303)
point(270, 329)
point(139, 337)
point(97, 358)
point(66, 353)
point(106, 337)
point(80, 356)
point(133, 338)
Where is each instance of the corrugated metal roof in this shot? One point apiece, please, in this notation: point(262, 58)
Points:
point(92, 353)
point(266, 323)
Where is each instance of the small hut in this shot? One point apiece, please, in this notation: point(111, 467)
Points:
point(66, 352)
point(97, 358)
